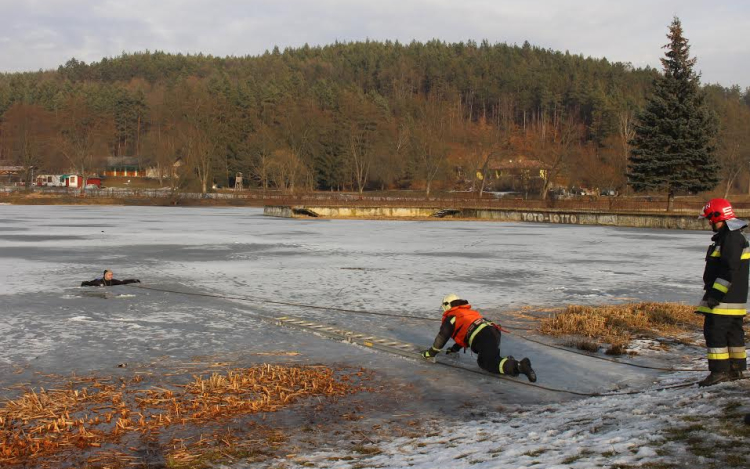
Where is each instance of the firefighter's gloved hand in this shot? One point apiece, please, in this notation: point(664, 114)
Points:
point(430, 352)
point(454, 349)
point(712, 302)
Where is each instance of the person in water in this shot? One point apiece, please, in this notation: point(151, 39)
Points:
point(107, 280)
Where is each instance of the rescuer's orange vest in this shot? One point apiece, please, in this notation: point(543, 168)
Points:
point(465, 317)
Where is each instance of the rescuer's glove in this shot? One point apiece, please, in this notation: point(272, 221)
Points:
point(712, 302)
point(430, 352)
point(455, 348)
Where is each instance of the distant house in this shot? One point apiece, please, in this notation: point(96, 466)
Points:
point(49, 180)
point(517, 166)
point(154, 171)
point(74, 180)
point(124, 166)
point(10, 174)
point(71, 180)
point(517, 173)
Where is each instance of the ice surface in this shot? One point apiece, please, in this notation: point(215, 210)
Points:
point(49, 324)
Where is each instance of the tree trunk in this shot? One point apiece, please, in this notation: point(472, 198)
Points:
point(730, 181)
point(83, 181)
point(670, 201)
point(27, 178)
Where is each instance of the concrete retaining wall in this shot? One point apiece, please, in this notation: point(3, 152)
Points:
point(667, 221)
point(278, 211)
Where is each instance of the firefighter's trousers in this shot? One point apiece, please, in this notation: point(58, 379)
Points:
point(725, 340)
point(486, 345)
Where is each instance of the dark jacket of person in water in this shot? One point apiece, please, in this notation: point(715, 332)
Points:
point(108, 281)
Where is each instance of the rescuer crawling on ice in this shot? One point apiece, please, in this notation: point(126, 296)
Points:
point(470, 330)
point(724, 303)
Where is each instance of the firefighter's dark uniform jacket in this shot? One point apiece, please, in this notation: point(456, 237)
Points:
point(725, 278)
point(724, 303)
point(100, 282)
point(460, 323)
point(470, 330)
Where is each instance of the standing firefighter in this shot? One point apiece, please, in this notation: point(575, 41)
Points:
point(470, 330)
point(724, 304)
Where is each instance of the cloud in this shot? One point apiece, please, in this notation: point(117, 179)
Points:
point(44, 34)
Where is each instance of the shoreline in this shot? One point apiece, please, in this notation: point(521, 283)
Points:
point(428, 211)
point(680, 221)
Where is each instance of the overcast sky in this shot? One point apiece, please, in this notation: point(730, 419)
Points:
point(42, 34)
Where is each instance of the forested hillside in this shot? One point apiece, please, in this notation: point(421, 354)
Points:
point(354, 116)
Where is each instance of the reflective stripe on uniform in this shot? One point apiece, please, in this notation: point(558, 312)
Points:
point(722, 285)
point(453, 320)
point(730, 309)
point(500, 366)
point(473, 334)
point(745, 254)
point(737, 352)
point(717, 252)
point(724, 309)
point(718, 353)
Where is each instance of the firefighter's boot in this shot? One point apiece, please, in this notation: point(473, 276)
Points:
point(524, 367)
point(715, 377)
point(735, 370)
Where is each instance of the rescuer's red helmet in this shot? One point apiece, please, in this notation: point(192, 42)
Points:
point(717, 210)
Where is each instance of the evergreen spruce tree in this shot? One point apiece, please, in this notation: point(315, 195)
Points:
point(673, 143)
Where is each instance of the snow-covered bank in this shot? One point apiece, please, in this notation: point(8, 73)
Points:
point(676, 428)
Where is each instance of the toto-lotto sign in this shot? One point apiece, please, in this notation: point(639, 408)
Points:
point(550, 217)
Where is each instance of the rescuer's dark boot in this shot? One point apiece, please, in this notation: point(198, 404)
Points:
point(715, 377)
point(524, 366)
point(735, 374)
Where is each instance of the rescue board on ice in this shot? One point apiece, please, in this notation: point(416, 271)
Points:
point(404, 349)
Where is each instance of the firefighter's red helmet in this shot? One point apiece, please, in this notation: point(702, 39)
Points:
point(717, 210)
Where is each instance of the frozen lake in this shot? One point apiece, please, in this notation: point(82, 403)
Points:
point(399, 267)
point(50, 325)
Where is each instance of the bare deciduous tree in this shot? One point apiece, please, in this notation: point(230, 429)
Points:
point(83, 137)
point(261, 145)
point(27, 135)
point(200, 129)
point(287, 170)
point(733, 143)
point(429, 145)
point(556, 150)
point(626, 131)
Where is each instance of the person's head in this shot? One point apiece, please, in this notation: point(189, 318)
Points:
point(108, 274)
point(717, 211)
point(448, 299)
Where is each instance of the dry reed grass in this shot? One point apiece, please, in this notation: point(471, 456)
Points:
point(47, 427)
point(617, 325)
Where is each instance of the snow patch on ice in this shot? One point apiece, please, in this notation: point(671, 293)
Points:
point(80, 318)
